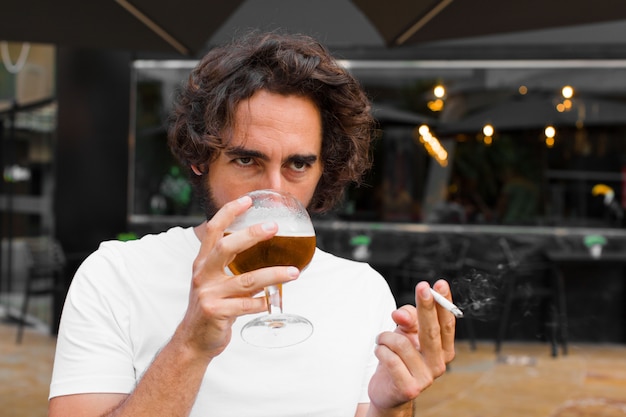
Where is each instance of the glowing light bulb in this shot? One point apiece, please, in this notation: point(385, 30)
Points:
point(439, 91)
point(567, 91)
point(424, 130)
point(436, 105)
point(567, 103)
point(550, 131)
point(488, 130)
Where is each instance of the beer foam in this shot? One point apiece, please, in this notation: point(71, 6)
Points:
point(289, 224)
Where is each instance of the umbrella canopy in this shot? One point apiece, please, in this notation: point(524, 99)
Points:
point(405, 22)
point(180, 27)
point(188, 27)
point(339, 24)
point(537, 112)
point(392, 115)
point(185, 27)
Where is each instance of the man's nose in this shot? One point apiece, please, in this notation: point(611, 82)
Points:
point(274, 180)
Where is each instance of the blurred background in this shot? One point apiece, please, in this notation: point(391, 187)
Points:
point(499, 164)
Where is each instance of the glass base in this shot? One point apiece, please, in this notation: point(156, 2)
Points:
point(277, 330)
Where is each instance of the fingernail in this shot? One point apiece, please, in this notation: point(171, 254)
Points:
point(269, 226)
point(243, 200)
point(293, 272)
point(425, 293)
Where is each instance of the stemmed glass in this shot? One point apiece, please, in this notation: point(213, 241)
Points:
point(293, 245)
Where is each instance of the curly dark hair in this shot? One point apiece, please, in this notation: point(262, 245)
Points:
point(287, 64)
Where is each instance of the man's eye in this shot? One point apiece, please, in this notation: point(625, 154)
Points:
point(299, 165)
point(244, 161)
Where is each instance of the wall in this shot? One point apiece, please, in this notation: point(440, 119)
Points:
point(93, 89)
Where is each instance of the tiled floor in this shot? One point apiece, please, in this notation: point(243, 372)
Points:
point(25, 371)
point(525, 381)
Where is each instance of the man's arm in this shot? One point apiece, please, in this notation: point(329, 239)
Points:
point(84, 404)
point(169, 388)
point(170, 385)
point(361, 410)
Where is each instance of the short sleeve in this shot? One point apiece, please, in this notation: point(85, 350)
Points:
point(93, 348)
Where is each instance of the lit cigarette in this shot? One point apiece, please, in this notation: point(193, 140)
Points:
point(443, 302)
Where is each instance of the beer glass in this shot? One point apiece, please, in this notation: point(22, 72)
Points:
point(293, 245)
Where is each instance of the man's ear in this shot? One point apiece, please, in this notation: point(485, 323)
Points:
point(196, 170)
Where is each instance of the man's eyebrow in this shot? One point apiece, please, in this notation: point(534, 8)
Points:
point(307, 159)
point(240, 152)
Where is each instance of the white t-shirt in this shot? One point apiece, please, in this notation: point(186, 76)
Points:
point(127, 299)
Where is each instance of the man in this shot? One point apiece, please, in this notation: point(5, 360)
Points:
point(151, 327)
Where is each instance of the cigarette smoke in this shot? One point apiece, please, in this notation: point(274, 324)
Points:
point(479, 294)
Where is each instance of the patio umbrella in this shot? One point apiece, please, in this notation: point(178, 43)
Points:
point(537, 112)
point(386, 113)
point(180, 26)
point(406, 22)
point(187, 27)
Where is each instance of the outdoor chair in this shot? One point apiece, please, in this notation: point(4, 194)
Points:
point(530, 276)
point(45, 275)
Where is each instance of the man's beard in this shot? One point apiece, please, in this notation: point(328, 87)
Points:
point(206, 200)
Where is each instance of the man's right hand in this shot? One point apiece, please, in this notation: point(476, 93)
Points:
point(216, 298)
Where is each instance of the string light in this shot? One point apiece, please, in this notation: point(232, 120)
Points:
point(550, 133)
point(567, 91)
point(488, 132)
point(437, 104)
point(439, 91)
point(432, 145)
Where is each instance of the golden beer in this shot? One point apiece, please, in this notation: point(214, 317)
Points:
point(278, 251)
point(293, 245)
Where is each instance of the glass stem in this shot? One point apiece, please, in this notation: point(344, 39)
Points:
point(274, 297)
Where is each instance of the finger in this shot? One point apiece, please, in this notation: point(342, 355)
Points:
point(238, 295)
point(251, 283)
point(406, 319)
point(429, 332)
point(447, 321)
point(228, 308)
point(404, 364)
point(233, 244)
point(215, 227)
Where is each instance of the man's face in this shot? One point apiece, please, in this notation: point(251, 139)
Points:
point(276, 143)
